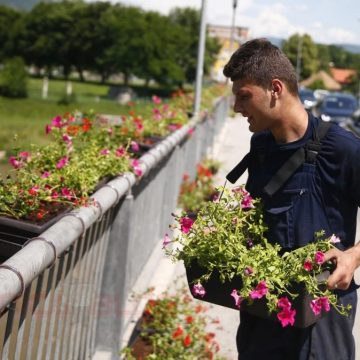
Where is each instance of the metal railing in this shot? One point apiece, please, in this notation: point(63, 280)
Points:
point(63, 294)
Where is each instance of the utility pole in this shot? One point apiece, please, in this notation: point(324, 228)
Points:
point(200, 59)
point(233, 26)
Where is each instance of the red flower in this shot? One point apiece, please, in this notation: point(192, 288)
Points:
point(189, 319)
point(209, 336)
point(308, 265)
point(187, 341)
point(178, 332)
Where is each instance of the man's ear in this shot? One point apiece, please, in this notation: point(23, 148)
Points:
point(276, 87)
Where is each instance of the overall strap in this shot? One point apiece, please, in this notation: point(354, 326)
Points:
point(304, 154)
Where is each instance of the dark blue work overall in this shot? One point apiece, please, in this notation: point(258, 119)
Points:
point(311, 200)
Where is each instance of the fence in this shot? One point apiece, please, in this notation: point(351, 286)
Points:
point(63, 295)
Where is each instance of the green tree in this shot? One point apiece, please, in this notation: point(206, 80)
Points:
point(309, 53)
point(45, 39)
point(13, 78)
point(125, 27)
point(87, 39)
point(189, 20)
point(324, 58)
point(8, 23)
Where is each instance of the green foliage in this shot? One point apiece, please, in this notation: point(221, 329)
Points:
point(317, 84)
point(189, 21)
point(229, 236)
point(13, 79)
point(304, 44)
point(8, 23)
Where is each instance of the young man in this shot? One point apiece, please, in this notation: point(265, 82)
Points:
point(322, 194)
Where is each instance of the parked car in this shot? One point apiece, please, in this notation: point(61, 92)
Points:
point(337, 108)
point(307, 97)
point(356, 117)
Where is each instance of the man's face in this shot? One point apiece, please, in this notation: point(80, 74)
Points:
point(253, 102)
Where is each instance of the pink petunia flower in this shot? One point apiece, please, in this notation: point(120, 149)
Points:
point(284, 303)
point(248, 271)
point(157, 114)
point(67, 138)
point(238, 299)
point(120, 151)
point(66, 192)
point(134, 146)
point(260, 290)
point(57, 122)
point(316, 306)
point(48, 129)
point(308, 266)
point(185, 224)
point(325, 304)
point(334, 239)
point(16, 164)
point(287, 317)
point(138, 171)
point(319, 257)
point(34, 190)
point(135, 162)
point(198, 290)
point(45, 175)
point(191, 131)
point(62, 162)
point(246, 202)
point(156, 99)
point(54, 195)
point(105, 152)
point(166, 240)
point(110, 131)
point(24, 155)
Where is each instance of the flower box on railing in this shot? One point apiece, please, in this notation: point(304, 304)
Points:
point(14, 233)
point(218, 292)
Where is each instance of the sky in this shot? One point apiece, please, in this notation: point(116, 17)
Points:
point(326, 21)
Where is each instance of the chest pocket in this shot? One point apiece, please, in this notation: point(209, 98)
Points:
point(296, 211)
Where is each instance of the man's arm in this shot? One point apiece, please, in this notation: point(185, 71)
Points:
point(346, 263)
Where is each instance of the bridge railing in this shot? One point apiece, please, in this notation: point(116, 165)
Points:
point(63, 295)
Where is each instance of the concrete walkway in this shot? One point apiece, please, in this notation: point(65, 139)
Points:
point(232, 145)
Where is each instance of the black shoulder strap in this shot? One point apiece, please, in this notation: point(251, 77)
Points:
point(239, 169)
point(308, 153)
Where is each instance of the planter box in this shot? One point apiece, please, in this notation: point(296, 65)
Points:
point(14, 233)
point(219, 293)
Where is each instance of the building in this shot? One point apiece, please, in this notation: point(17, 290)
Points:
point(223, 35)
point(342, 76)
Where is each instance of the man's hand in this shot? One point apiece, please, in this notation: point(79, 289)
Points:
point(346, 263)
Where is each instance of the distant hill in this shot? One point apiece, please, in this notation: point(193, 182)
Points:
point(19, 4)
point(353, 48)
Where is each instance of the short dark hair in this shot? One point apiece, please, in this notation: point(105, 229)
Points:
point(259, 61)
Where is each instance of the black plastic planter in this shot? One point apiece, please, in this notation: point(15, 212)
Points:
point(219, 293)
point(14, 233)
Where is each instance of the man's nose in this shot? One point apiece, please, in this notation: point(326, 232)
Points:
point(239, 109)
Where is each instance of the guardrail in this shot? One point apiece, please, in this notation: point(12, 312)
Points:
point(62, 296)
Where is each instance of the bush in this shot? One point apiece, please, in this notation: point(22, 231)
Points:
point(13, 79)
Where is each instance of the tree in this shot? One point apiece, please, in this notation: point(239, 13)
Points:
point(309, 53)
point(8, 23)
point(189, 20)
point(13, 78)
point(87, 39)
point(45, 39)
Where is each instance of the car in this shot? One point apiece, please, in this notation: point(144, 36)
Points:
point(307, 98)
point(337, 108)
